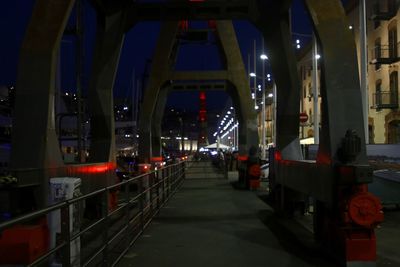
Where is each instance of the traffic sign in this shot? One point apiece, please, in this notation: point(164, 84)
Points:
point(303, 117)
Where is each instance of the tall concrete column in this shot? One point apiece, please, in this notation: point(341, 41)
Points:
point(161, 67)
point(109, 41)
point(34, 140)
point(240, 89)
point(156, 122)
point(340, 88)
point(276, 30)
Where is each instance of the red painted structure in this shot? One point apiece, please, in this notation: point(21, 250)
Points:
point(203, 139)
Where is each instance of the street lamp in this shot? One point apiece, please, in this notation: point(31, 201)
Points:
point(264, 58)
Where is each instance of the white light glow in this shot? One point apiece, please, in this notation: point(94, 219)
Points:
point(264, 57)
point(252, 74)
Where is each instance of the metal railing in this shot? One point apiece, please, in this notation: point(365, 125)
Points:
point(140, 199)
point(384, 9)
point(385, 54)
point(386, 99)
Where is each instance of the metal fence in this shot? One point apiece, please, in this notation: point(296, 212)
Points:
point(386, 99)
point(105, 239)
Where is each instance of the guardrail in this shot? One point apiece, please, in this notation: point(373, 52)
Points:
point(140, 199)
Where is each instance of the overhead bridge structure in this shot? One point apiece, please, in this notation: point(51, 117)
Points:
point(345, 213)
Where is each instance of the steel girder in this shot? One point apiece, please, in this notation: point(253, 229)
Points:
point(162, 74)
point(276, 31)
point(109, 41)
point(156, 122)
point(34, 140)
point(161, 67)
point(240, 89)
point(340, 88)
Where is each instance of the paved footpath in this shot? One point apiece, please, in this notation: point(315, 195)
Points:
point(208, 223)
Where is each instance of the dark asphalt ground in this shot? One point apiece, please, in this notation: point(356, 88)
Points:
point(208, 223)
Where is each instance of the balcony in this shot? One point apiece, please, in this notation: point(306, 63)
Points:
point(384, 10)
point(385, 54)
point(385, 100)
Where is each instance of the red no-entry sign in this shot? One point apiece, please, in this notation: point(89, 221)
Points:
point(303, 117)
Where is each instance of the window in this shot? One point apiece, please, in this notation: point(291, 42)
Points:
point(377, 51)
point(394, 132)
point(392, 39)
point(394, 87)
point(378, 95)
point(377, 23)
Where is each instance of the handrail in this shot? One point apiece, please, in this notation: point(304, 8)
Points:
point(154, 189)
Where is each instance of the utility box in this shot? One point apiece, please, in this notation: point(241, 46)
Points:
point(61, 189)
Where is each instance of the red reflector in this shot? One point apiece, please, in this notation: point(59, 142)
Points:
point(278, 156)
point(243, 157)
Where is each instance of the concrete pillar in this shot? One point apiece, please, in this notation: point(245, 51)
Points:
point(156, 122)
point(34, 140)
point(240, 89)
point(340, 87)
point(109, 41)
point(160, 70)
point(276, 30)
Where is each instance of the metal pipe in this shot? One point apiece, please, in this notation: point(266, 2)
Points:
point(364, 67)
point(274, 98)
point(255, 72)
point(263, 106)
point(79, 71)
point(315, 89)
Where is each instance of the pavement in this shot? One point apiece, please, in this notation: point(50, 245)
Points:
point(208, 223)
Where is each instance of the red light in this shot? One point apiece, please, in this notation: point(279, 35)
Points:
point(278, 155)
point(242, 157)
point(97, 168)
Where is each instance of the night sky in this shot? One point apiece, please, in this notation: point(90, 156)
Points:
point(138, 48)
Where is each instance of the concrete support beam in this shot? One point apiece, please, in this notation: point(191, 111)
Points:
point(156, 123)
point(181, 10)
point(160, 70)
point(109, 40)
point(340, 85)
point(198, 75)
point(276, 31)
point(240, 90)
point(34, 140)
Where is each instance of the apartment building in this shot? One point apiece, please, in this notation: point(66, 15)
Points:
point(383, 18)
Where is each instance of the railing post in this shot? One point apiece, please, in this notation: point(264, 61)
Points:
point(106, 225)
point(127, 199)
point(157, 180)
point(141, 200)
point(163, 183)
point(66, 235)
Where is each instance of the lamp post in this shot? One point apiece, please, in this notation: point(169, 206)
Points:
point(263, 58)
point(315, 58)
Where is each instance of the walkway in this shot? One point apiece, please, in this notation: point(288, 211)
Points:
point(208, 223)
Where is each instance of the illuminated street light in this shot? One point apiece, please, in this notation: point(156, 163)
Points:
point(252, 74)
point(317, 56)
point(264, 57)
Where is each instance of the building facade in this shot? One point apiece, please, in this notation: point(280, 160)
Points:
point(383, 19)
